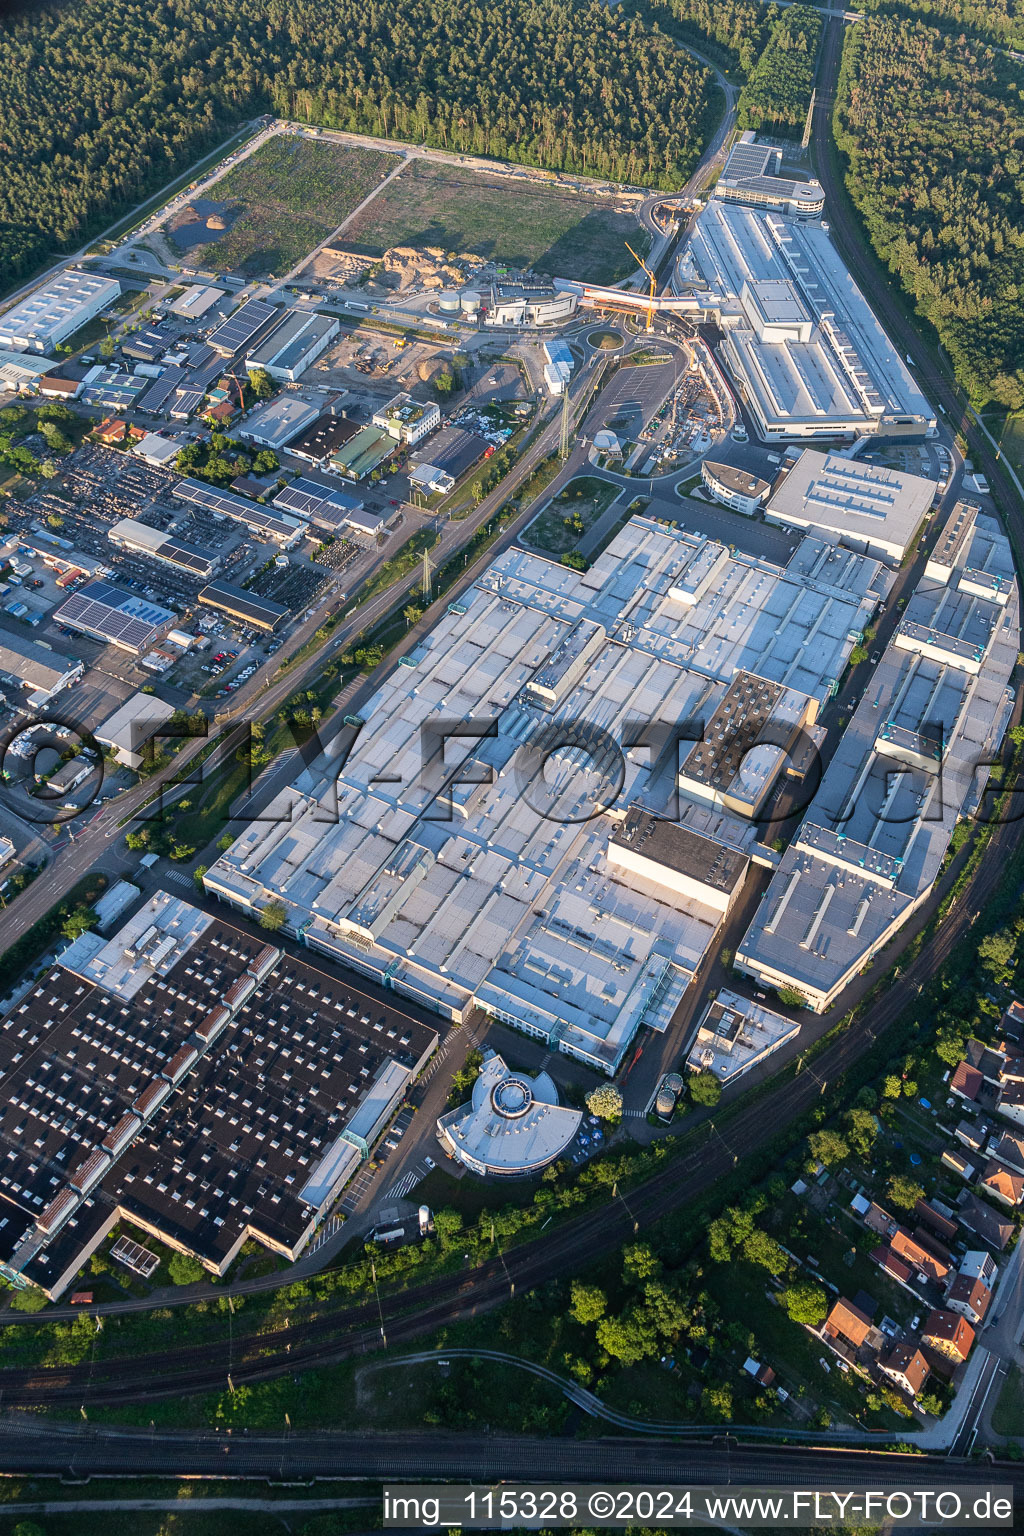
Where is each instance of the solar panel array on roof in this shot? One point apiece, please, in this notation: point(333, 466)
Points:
point(161, 389)
point(189, 559)
point(306, 498)
point(228, 505)
point(240, 328)
point(186, 401)
point(107, 613)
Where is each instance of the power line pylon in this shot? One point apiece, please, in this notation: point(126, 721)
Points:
point(807, 122)
point(563, 446)
point(427, 569)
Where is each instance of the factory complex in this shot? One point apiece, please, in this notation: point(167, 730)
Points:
point(194, 1080)
point(62, 306)
point(801, 342)
point(513, 1125)
point(566, 863)
point(911, 762)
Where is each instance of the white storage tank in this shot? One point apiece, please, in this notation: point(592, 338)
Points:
point(471, 301)
point(448, 301)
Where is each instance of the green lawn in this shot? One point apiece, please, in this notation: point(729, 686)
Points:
point(582, 502)
point(1008, 1414)
point(547, 228)
point(294, 192)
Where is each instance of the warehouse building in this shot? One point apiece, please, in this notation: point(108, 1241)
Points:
point(513, 1125)
point(323, 438)
point(909, 765)
point(195, 301)
point(131, 726)
point(276, 423)
point(867, 507)
point(20, 371)
point(802, 344)
point(158, 450)
point(155, 544)
point(221, 1091)
point(115, 617)
point(38, 670)
point(363, 453)
point(294, 345)
point(477, 879)
point(407, 420)
point(263, 524)
point(446, 458)
point(752, 175)
point(54, 312)
point(251, 320)
point(247, 607)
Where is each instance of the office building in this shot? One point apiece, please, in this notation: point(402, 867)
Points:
point(736, 1034)
point(54, 312)
point(529, 301)
point(513, 1125)
point(733, 487)
point(753, 176)
point(407, 420)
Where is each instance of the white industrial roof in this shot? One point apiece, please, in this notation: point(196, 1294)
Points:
point(475, 890)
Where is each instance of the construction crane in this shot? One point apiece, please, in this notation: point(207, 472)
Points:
point(654, 284)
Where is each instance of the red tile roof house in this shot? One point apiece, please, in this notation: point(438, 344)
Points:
point(966, 1081)
point(907, 1367)
point(112, 430)
point(949, 1334)
point(1002, 1184)
point(914, 1253)
point(848, 1331)
point(970, 1297)
point(891, 1265)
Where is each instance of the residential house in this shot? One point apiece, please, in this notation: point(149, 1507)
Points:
point(955, 1160)
point(848, 1330)
point(1002, 1183)
point(937, 1219)
point(992, 1227)
point(998, 1064)
point(907, 1367)
point(1012, 1021)
point(970, 1297)
point(1011, 1102)
point(891, 1265)
point(973, 1134)
point(1009, 1149)
point(929, 1265)
point(979, 1265)
point(879, 1221)
point(949, 1334)
point(111, 430)
point(966, 1082)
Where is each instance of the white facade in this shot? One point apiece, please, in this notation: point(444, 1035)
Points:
point(55, 311)
point(735, 488)
point(407, 420)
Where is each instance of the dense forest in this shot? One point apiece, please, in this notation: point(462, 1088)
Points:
point(732, 32)
point(101, 103)
point(1001, 20)
point(932, 124)
point(778, 90)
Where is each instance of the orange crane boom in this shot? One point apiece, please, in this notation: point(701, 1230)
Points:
point(654, 283)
